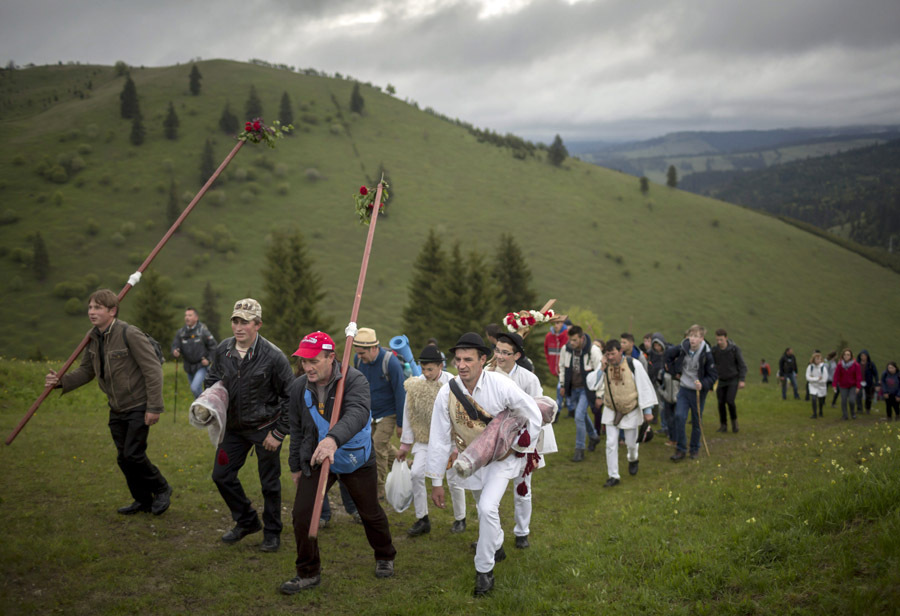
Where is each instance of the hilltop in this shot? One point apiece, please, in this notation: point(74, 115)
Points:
point(658, 261)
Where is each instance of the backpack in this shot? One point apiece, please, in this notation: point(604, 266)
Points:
point(385, 362)
point(156, 346)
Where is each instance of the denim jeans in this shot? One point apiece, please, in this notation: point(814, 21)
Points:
point(583, 424)
point(559, 399)
point(687, 401)
point(792, 377)
point(196, 380)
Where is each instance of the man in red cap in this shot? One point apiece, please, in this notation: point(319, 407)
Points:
point(347, 445)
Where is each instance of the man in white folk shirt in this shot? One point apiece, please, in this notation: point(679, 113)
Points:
point(508, 350)
point(420, 394)
point(489, 394)
point(626, 390)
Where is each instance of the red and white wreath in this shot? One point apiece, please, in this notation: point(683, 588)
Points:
point(526, 319)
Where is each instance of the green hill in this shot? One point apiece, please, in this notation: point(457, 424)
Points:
point(659, 261)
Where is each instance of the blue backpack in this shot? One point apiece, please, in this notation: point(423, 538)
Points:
point(351, 455)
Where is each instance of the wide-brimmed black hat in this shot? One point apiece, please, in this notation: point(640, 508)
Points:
point(431, 355)
point(471, 340)
point(514, 339)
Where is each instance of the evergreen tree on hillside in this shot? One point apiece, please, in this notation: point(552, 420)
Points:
point(173, 209)
point(292, 291)
point(40, 260)
point(207, 163)
point(356, 100)
point(195, 78)
point(645, 185)
point(421, 318)
point(453, 297)
point(129, 100)
point(209, 310)
point(137, 130)
point(286, 113)
point(557, 152)
point(672, 177)
point(481, 302)
point(228, 122)
point(153, 309)
point(512, 276)
point(253, 107)
point(170, 124)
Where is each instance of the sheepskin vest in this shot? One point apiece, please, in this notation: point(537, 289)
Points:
point(420, 396)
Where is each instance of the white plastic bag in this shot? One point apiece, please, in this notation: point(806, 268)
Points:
point(398, 487)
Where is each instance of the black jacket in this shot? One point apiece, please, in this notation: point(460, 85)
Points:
point(729, 362)
point(787, 365)
point(355, 414)
point(707, 374)
point(195, 344)
point(257, 386)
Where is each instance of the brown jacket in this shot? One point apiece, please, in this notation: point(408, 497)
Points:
point(132, 376)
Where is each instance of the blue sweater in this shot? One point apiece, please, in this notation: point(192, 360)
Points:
point(387, 396)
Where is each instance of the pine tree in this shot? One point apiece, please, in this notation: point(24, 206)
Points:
point(421, 318)
point(356, 100)
point(512, 277)
point(209, 311)
point(195, 78)
point(292, 291)
point(137, 130)
point(557, 152)
point(672, 177)
point(40, 260)
point(453, 298)
point(253, 109)
point(207, 163)
point(173, 209)
point(170, 124)
point(481, 304)
point(645, 185)
point(228, 122)
point(154, 313)
point(129, 100)
point(286, 113)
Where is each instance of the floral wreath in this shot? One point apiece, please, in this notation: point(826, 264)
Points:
point(365, 201)
point(526, 319)
point(255, 131)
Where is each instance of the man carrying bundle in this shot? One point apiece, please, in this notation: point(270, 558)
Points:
point(461, 412)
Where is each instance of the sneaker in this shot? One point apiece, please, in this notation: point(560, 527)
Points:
point(612, 481)
point(295, 585)
point(162, 501)
point(522, 542)
point(239, 532)
point(459, 526)
point(421, 527)
point(384, 568)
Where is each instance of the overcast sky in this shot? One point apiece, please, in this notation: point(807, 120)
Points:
point(586, 69)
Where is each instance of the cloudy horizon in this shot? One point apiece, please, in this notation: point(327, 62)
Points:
point(585, 69)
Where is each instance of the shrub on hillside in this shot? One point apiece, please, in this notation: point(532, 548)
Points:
point(74, 306)
point(280, 170)
point(92, 281)
point(240, 174)
point(92, 227)
point(336, 129)
point(127, 228)
point(216, 198)
point(57, 198)
point(264, 162)
point(247, 196)
point(18, 160)
point(15, 283)
point(8, 217)
point(283, 188)
point(312, 174)
point(70, 288)
point(135, 258)
point(85, 148)
point(308, 118)
point(224, 241)
point(20, 256)
point(58, 175)
point(117, 238)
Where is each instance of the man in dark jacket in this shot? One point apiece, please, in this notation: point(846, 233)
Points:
point(732, 376)
point(130, 375)
point(787, 371)
point(257, 376)
point(694, 368)
point(196, 345)
point(348, 447)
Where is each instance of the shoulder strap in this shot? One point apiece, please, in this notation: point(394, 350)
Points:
point(630, 361)
point(471, 411)
point(385, 364)
point(125, 338)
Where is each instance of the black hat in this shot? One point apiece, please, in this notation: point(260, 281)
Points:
point(471, 340)
point(514, 339)
point(431, 355)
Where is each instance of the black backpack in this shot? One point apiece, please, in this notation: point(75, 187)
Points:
point(157, 347)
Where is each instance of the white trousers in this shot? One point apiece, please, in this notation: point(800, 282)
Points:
point(420, 493)
point(495, 479)
point(612, 448)
point(522, 507)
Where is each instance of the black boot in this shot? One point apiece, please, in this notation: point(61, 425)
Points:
point(723, 428)
point(484, 582)
point(734, 426)
point(421, 527)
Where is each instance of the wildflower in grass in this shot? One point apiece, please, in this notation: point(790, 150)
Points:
point(758, 486)
point(676, 512)
point(751, 521)
point(785, 475)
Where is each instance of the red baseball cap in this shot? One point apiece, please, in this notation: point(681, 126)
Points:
point(313, 344)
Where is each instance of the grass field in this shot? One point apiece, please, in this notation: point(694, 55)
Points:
point(655, 262)
point(789, 516)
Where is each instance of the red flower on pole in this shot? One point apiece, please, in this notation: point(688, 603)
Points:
point(257, 125)
point(365, 201)
point(248, 126)
point(363, 191)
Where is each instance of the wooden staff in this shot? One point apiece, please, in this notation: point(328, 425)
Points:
point(700, 424)
point(345, 363)
point(133, 280)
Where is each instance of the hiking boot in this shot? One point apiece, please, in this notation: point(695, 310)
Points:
point(734, 426)
point(633, 468)
point(678, 456)
point(579, 455)
point(814, 416)
point(499, 555)
point(421, 527)
point(384, 568)
point(459, 526)
point(133, 508)
point(592, 443)
point(522, 542)
point(162, 501)
point(239, 532)
point(723, 428)
point(612, 481)
point(295, 585)
point(695, 455)
point(484, 582)
point(270, 543)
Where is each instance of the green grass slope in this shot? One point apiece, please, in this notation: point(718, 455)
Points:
point(643, 263)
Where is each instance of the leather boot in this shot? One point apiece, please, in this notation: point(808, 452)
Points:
point(723, 428)
point(484, 582)
point(579, 455)
point(734, 426)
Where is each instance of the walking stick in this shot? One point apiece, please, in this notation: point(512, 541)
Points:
point(700, 424)
point(175, 404)
point(345, 361)
point(132, 280)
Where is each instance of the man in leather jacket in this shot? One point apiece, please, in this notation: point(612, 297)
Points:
point(257, 376)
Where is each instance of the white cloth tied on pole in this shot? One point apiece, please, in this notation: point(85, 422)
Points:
point(134, 279)
point(351, 330)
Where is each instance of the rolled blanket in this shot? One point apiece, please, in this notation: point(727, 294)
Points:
point(492, 444)
point(209, 411)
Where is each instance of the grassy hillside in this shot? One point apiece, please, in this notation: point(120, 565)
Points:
point(642, 263)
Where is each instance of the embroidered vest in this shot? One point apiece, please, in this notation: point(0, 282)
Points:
point(352, 454)
point(622, 389)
